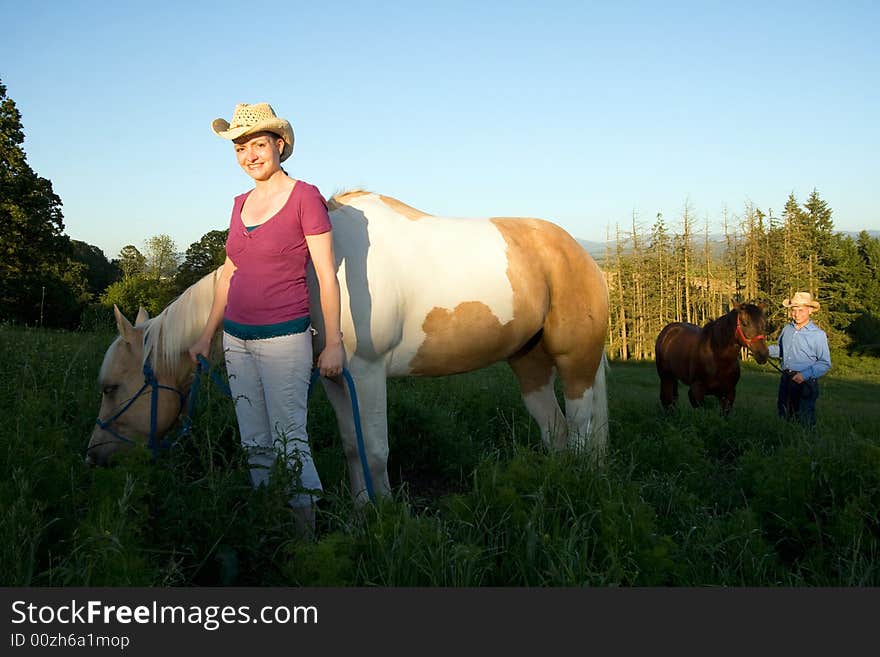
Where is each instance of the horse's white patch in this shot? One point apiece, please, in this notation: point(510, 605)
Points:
point(446, 262)
point(544, 408)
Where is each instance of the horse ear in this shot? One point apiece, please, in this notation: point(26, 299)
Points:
point(142, 316)
point(126, 330)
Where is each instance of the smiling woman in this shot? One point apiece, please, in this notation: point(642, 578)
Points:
point(262, 301)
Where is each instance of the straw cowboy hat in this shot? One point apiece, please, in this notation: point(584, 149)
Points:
point(801, 299)
point(248, 119)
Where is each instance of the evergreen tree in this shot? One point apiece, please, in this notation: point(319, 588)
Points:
point(843, 273)
point(39, 283)
point(819, 232)
point(795, 252)
point(869, 291)
point(659, 258)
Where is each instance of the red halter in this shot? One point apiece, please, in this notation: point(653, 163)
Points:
point(742, 336)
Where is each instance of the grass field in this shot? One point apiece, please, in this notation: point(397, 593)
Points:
point(685, 499)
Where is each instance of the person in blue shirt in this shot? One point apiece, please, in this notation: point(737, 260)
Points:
point(803, 349)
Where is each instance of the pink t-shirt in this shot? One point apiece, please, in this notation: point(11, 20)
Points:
point(269, 283)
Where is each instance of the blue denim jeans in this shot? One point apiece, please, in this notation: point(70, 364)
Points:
point(798, 400)
point(269, 381)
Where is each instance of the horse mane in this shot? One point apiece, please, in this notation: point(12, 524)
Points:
point(346, 197)
point(170, 333)
point(714, 328)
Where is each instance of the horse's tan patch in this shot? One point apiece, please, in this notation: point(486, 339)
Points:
point(533, 369)
point(556, 287)
point(402, 208)
point(548, 268)
point(463, 339)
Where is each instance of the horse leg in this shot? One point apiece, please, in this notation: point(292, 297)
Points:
point(726, 400)
point(586, 401)
point(370, 388)
point(534, 370)
point(668, 391)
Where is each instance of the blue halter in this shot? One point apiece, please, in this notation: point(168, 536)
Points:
point(151, 382)
point(189, 399)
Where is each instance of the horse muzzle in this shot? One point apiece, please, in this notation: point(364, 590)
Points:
point(761, 353)
point(102, 445)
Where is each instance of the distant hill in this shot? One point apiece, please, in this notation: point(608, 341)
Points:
point(855, 233)
point(717, 241)
point(595, 249)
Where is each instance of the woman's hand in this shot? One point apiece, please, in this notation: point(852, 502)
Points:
point(330, 360)
point(201, 347)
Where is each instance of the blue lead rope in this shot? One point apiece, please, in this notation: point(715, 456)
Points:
point(356, 412)
point(203, 366)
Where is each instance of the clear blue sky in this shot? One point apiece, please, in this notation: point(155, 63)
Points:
point(579, 112)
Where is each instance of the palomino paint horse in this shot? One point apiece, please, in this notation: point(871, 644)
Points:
point(421, 296)
point(707, 359)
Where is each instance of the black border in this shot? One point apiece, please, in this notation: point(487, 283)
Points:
point(408, 621)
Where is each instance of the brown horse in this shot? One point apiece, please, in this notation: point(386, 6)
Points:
point(707, 359)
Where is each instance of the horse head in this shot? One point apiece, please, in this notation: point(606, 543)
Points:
point(138, 403)
point(751, 326)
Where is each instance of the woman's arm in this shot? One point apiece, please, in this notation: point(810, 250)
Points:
point(324, 260)
point(221, 291)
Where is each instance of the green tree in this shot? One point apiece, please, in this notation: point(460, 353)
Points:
point(818, 229)
point(131, 261)
point(843, 274)
point(795, 251)
point(201, 258)
point(865, 328)
point(99, 272)
point(38, 281)
point(869, 292)
point(161, 257)
point(136, 291)
point(659, 258)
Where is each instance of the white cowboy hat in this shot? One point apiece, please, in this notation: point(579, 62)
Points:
point(801, 299)
point(248, 119)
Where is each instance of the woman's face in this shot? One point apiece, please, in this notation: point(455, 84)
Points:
point(259, 154)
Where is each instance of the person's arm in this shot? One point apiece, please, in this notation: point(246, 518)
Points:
point(330, 360)
point(823, 357)
point(776, 349)
point(221, 291)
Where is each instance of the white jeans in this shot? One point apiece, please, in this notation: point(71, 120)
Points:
point(269, 381)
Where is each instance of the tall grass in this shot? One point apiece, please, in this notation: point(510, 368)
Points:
point(686, 498)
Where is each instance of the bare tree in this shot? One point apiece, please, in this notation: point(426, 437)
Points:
point(686, 222)
point(618, 249)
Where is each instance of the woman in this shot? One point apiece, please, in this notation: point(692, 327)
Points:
point(262, 302)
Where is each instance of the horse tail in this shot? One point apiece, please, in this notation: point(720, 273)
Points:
point(599, 423)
